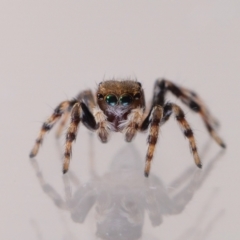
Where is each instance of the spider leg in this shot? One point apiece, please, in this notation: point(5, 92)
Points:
point(71, 134)
point(87, 97)
point(80, 112)
point(47, 126)
point(190, 95)
point(170, 108)
point(155, 119)
point(84, 96)
point(191, 99)
point(63, 122)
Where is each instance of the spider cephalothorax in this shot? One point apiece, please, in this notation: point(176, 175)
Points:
point(117, 99)
point(120, 106)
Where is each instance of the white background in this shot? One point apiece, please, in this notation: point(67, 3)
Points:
point(50, 50)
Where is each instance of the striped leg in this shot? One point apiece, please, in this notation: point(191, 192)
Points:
point(197, 105)
point(59, 110)
point(84, 96)
point(63, 122)
point(155, 119)
point(71, 135)
point(87, 97)
point(170, 108)
point(192, 100)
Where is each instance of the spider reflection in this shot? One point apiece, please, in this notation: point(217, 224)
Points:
point(123, 196)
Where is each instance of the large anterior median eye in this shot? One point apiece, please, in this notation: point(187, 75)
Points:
point(111, 100)
point(125, 99)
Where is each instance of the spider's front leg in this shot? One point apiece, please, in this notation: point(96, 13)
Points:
point(159, 115)
point(71, 134)
point(93, 121)
point(154, 121)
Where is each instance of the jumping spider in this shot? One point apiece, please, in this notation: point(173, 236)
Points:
point(120, 107)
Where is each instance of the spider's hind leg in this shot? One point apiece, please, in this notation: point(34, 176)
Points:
point(170, 108)
point(154, 122)
point(63, 122)
point(192, 100)
point(81, 111)
point(49, 123)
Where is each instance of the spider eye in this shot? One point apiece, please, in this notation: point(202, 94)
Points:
point(125, 100)
point(111, 100)
point(100, 96)
point(137, 96)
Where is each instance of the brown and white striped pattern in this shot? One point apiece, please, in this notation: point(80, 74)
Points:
point(180, 117)
point(195, 103)
point(71, 135)
point(63, 122)
point(47, 126)
point(155, 119)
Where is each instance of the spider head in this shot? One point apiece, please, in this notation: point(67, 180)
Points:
point(120, 95)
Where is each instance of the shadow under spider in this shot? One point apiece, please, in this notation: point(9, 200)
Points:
point(123, 195)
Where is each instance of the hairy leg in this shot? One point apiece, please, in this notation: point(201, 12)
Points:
point(71, 135)
point(49, 123)
point(191, 99)
point(80, 112)
point(155, 119)
point(63, 122)
point(170, 108)
point(85, 97)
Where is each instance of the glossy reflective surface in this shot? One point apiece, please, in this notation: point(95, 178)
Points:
point(49, 52)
